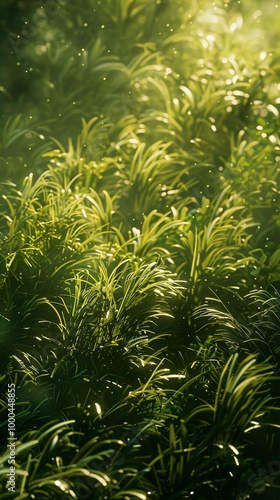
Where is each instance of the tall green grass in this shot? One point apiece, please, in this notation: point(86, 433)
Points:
point(139, 249)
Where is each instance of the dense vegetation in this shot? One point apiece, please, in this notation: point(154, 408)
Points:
point(140, 250)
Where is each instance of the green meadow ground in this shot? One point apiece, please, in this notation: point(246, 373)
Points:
point(140, 249)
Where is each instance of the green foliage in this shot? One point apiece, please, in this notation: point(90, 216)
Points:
point(139, 249)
